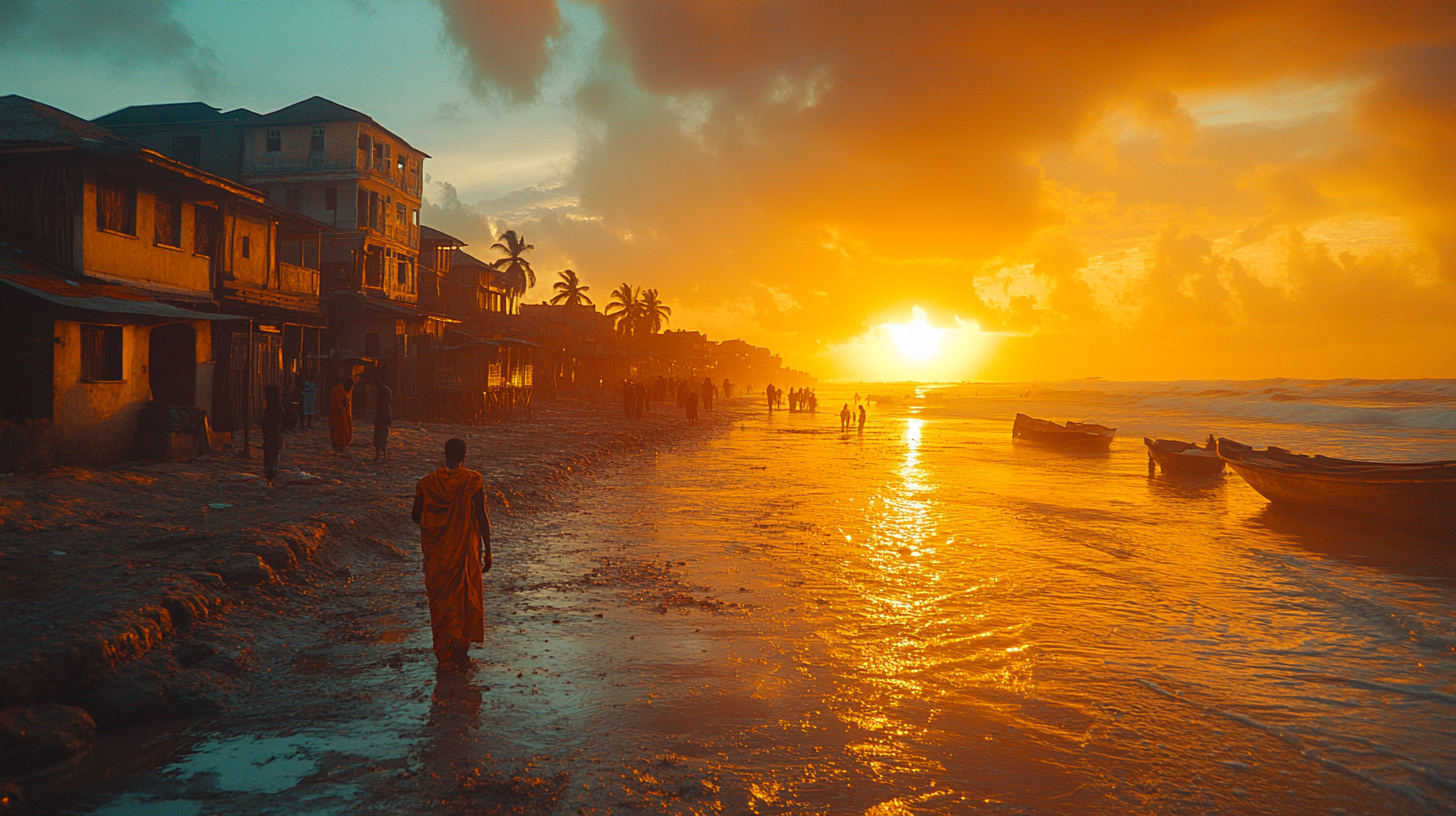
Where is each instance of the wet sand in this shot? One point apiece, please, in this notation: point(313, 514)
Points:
point(125, 592)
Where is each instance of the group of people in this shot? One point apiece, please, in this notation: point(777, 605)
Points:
point(800, 399)
point(689, 395)
point(846, 416)
point(276, 419)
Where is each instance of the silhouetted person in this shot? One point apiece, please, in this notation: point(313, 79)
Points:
point(272, 432)
point(769, 393)
point(455, 537)
point(863, 415)
point(707, 394)
point(844, 417)
point(383, 418)
point(308, 401)
point(341, 415)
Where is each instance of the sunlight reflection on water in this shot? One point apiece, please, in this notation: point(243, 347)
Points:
point(1024, 629)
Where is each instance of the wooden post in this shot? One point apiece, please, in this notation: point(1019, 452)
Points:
point(246, 451)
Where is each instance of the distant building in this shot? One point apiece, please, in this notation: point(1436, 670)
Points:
point(115, 266)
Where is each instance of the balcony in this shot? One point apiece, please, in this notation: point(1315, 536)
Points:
point(298, 280)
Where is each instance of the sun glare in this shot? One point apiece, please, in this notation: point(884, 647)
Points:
point(915, 350)
point(917, 340)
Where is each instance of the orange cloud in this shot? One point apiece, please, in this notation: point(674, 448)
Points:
point(1031, 167)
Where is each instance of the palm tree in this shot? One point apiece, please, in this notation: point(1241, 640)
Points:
point(625, 309)
point(652, 313)
point(570, 291)
point(519, 274)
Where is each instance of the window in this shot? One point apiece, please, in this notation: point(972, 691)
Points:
point(361, 215)
point(331, 198)
point(402, 276)
point(168, 225)
point(245, 248)
point(379, 151)
point(399, 212)
point(402, 164)
point(316, 140)
point(115, 205)
point(100, 353)
point(187, 149)
point(415, 217)
point(205, 230)
point(275, 141)
point(293, 198)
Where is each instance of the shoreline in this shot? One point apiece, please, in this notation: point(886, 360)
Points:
point(126, 615)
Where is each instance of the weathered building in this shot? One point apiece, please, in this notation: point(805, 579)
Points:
point(341, 168)
point(110, 258)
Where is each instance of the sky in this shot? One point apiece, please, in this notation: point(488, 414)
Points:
point(972, 190)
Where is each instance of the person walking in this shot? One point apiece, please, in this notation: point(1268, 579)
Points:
point(341, 415)
point(863, 415)
point(383, 418)
point(844, 417)
point(449, 507)
point(308, 402)
point(272, 432)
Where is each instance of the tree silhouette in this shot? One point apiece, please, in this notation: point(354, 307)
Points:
point(570, 291)
point(652, 313)
point(625, 309)
point(519, 274)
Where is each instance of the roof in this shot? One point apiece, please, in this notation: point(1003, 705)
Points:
point(435, 236)
point(170, 114)
point(316, 109)
point(28, 125)
point(464, 340)
point(88, 294)
point(354, 304)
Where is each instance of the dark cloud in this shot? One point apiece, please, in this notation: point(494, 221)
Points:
point(126, 33)
point(506, 42)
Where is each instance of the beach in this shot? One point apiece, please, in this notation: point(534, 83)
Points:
point(768, 615)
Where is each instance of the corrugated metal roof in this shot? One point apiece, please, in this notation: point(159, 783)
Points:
point(94, 296)
point(26, 123)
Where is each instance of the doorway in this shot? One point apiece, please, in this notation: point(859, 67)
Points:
point(172, 365)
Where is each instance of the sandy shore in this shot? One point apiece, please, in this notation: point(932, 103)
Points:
point(117, 586)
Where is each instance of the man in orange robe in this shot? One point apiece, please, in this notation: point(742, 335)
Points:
point(455, 536)
point(341, 414)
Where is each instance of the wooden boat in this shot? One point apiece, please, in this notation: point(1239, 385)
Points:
point(1418, 496)
point(1184, 458)
point(1082, 436)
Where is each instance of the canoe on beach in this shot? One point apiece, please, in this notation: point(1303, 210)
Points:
point(1082, 436)
point(1417, 496)
point(1184, 458)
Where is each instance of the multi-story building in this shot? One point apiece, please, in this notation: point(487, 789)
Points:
point(337, 166)
point(114, 260)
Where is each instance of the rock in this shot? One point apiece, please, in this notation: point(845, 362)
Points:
point(277, 556)
point(246, 570)
point(32, 738)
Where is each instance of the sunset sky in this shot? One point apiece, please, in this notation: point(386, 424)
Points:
point(1134, 190)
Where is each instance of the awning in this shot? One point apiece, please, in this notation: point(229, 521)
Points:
point(95, 296)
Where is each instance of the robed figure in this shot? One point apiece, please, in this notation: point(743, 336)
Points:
point(341, 414)
point(455, 537)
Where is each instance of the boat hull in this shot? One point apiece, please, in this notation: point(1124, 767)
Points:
point(1178, 463)
point(1052, 435)
point(1420, 499)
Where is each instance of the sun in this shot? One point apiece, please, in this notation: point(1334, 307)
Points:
point(916, 340)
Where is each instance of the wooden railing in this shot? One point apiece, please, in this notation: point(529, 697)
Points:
point(298, 279)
